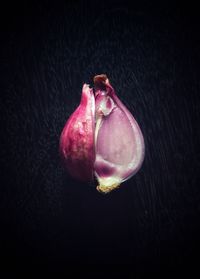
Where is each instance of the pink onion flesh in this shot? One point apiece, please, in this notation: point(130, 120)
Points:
point(102, 138)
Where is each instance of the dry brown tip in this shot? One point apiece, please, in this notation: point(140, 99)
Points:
point(100, 81)
point(107, 189)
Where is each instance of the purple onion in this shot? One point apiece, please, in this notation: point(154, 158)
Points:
point(77, 139)
point(102, 138)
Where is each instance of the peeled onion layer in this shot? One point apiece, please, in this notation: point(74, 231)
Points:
point(119, 143)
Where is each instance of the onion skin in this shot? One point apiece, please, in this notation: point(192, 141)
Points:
point(102, 138)
point(77, 139)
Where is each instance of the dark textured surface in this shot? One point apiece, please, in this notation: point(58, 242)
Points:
point(151, 56)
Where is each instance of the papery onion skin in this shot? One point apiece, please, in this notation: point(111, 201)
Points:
point(77, 139)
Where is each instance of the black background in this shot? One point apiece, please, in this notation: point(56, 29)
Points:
point(151, 56)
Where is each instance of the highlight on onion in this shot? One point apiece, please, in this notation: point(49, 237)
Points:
point(102, 138)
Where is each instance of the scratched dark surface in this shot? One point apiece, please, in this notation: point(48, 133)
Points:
point(151, 56)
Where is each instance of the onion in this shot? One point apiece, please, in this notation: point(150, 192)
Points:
point(102, 138)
